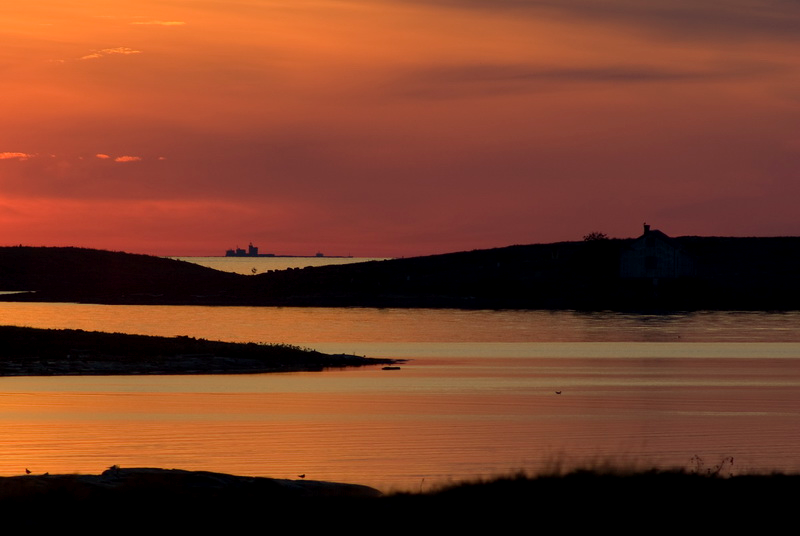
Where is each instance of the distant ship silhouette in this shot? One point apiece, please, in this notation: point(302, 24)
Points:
point(251, 251)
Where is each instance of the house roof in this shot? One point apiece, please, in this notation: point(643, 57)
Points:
point(658, 235)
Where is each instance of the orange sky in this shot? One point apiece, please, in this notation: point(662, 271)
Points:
point(388, 127)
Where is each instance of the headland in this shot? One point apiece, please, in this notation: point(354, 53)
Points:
point(653, 272)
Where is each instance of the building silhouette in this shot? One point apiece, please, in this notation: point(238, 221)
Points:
point(654, 255)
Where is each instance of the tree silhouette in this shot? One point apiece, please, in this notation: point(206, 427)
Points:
point(595, 236)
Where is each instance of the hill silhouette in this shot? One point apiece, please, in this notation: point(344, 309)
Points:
point(97, 276)
point(730, 273)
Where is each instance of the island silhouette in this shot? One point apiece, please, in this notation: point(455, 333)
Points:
point(651, 272)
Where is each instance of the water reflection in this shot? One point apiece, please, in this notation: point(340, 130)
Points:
point(477, 398)
point(298, 325)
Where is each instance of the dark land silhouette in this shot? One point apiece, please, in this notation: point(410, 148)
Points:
point(585, 499)
point(718, 273)
point(63, 352)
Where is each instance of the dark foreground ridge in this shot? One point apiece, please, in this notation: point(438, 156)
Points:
point(117, 482)
point(652, 272)
point(52, 352)
point(581, 499)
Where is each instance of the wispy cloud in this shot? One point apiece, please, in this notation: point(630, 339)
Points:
point(15, 156)
point(688, 19)
point(487, 78)
point(100, 156)
point(120, 50)
point(160, 23)
point(111, 51)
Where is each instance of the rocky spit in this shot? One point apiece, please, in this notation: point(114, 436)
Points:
point(65, 352)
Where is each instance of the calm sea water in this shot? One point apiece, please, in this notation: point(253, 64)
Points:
point(259, 265)
point(477, 397)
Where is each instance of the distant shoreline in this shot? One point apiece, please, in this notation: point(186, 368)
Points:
point(756, 274)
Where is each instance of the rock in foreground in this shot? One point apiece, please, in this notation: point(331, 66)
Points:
point(139, 483)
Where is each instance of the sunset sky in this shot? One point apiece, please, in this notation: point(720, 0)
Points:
point(395, 128)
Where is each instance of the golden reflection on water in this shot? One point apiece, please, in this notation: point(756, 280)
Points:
point(468, 404)
point(393, 429)
point(355, 325)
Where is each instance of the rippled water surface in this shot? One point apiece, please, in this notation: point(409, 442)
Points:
point(258, 265)
point(476, 398)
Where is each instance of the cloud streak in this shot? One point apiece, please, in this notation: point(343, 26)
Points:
point(712, 19)
point(15, 156)
point(159, 23)
point(100, 156)
point(125, 51)
point(496, 79)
